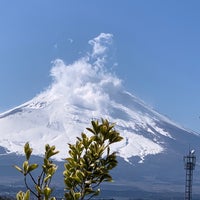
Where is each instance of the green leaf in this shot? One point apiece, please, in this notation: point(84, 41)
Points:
point(47, 178)
point(47, 192)
point(50, 151)
point(19, 195)
point(32, 167)
point(23, 196)
point(77, 195)
point(38, 189)
point(47, 147)
point(91, 130)
point(18, 168)
point(52, 170)
point(77, 179)
point(26, 195)
point(27, 151)
point(25, 167)
point(80, 174)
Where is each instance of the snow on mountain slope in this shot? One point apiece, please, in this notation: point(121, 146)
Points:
point(80, 92)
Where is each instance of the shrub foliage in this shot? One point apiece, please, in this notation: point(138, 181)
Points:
point(88, 165)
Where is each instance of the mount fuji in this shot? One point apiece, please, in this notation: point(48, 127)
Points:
point(151, 153)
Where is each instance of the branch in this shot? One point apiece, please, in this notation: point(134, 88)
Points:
point(91, 197)
point(39, 178)
point(29, 188)
point(32, 178)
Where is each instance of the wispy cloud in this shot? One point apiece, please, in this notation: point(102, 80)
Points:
point(70, 40)
point(83, 84)
point(100, 43)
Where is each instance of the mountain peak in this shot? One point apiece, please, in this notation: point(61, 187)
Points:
point(80, 92)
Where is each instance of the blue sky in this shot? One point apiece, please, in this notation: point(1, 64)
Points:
point(155, 43)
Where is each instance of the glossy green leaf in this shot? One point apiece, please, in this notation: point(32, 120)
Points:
point(18, 168)
point(25, 167)
point(47, 192)
point(32, 167)
point(27, 151)
point(23, 196)
point(26, 195)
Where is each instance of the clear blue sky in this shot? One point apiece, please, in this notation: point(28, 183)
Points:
point(156, 45)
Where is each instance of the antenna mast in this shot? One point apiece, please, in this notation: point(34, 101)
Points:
point(189, 162)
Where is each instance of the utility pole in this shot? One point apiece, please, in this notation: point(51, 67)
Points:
point(189, 163)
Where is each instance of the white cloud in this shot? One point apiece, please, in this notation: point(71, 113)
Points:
point(70, 40)
point(81, 83)
point(100, 43)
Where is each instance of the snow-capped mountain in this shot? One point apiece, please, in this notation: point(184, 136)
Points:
point(153, 145)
